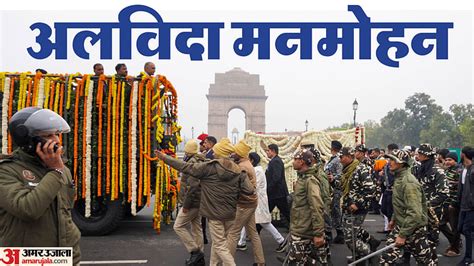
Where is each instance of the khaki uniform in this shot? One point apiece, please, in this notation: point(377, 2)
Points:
point(222, 181)
point(245, 217)
point(191, 192)
point(35, 205)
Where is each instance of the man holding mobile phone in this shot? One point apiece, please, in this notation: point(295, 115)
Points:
point(36, 188)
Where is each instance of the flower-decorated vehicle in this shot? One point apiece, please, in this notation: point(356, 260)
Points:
point(116, 124)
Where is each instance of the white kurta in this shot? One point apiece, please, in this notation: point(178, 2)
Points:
point(262, 213)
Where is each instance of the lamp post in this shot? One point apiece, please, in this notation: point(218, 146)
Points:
point(355, 105)
point(192, 132)
point(306, 124)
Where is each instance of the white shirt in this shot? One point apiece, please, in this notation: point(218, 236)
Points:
point(464, 172)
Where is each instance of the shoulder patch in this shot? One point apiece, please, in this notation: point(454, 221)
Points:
point(28, 175)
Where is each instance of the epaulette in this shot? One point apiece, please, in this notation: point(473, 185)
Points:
point(6, 158)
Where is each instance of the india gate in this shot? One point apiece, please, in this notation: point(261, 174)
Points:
point(236, 89)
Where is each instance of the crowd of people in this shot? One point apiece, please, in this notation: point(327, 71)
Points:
point(420, 191)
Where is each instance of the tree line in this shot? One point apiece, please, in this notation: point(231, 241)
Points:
point(421, 121)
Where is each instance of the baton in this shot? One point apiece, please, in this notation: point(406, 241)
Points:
point(373, 254)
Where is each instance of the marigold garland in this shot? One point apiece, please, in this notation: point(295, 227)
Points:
point(112, 117)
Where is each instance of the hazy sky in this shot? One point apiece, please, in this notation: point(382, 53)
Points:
point(320, 90)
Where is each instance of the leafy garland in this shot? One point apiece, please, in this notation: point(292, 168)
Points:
point(116, 125)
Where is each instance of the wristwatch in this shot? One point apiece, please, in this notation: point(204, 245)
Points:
point(61, 172)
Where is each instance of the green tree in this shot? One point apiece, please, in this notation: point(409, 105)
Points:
point(467, 131)
point(421, 109)
point(442, 132)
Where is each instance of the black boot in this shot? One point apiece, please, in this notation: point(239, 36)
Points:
point(339, 239)
point(374, 243)
point(329, 236)
point(196, 258)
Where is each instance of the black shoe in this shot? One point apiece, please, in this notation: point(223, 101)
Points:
point(465, 261)
point(242, 247)
point(329, 236)
point(282, 246)
point(339, 239)
point(281, 258)
point(374, 244)
point(196, 257)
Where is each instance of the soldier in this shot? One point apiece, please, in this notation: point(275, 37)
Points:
point(189, 214)
point(221, 183)
point(323, 253)
point(307, 222)
point(451, 208)
point(410, 218)
point(435, 187)
point(36, 188)
point(358, 189)
point(333, 169)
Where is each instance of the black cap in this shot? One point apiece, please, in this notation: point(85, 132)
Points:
point(336, 145)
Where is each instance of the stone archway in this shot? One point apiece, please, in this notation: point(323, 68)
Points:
point(236, 89)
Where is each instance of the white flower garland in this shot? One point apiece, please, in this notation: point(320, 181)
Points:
point(6, 96)
point(133, 166)
point(40, 95)
point(288, 145)
point(88, 149)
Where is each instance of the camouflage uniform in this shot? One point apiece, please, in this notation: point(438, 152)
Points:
point(435, 187)
point(325, 188)
point(361, 190)
point(334, 167)
point(307, 220)
point(451, 209)
point(410, 216)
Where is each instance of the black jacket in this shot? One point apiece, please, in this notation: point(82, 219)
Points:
point(275, 175)
point(465, 192)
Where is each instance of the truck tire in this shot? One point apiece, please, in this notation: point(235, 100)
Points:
point(105, 217)
point(128, 209)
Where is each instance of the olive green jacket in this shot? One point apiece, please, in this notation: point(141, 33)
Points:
point(222, 181)
point(308, 207)
point(190, 186)
point(409, 203)
point(318, 172)
point(35, 205)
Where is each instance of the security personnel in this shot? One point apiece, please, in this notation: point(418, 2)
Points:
point(307, 211)
point(435, 186)
point(358, 189)
point(410, 218)
point(36, 188)
point(323, 253)
point(188, 215)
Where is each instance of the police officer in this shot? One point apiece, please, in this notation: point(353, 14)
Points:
point(410, 218)
point(188, 215)
point(36, 188)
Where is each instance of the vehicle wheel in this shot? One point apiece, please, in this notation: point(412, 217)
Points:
point(105, 216)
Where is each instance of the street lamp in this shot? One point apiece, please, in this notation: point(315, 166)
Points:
point(306, 124)
point(192, 132)
point(355, 105)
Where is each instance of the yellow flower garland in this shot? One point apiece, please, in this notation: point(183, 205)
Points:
point(122, 116)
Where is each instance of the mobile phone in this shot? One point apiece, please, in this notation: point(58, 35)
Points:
point(43, 141)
